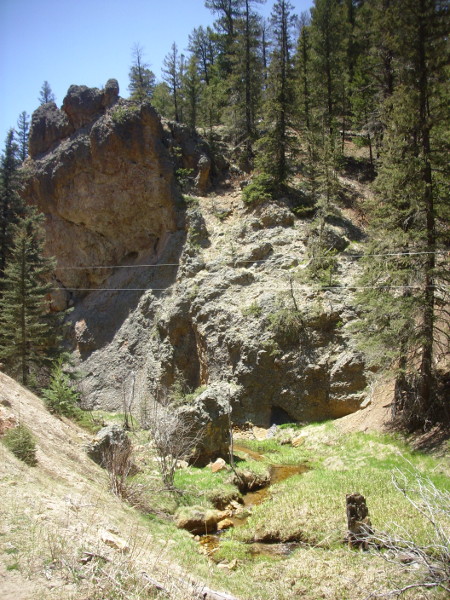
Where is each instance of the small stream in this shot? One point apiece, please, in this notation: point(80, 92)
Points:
point(278, 473)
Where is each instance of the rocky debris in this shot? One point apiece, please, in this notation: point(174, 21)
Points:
point(358, 522)
point(114, 541)
point(249, 481)
point(224, 524)
point(7, 420)
point(218, 465)
point(298, 441)
point(109, 443)
point(199, 520)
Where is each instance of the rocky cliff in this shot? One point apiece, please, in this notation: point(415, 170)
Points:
point(173, 293)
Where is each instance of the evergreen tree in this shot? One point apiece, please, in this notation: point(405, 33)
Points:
point(10, 203)
point(192, 86)
point(162, 100)
point(22, 132)
point(225, 25)
point(203, 46)
point(142, 80)
point(328, 34)
point(277, 144)
point(46, 94)
point(401, 314)
point(172, 76)
point(27, 333)
point(61, 397)
point(245, 79)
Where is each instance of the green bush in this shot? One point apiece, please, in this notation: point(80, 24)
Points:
point(22, 444)
point(185, 178)
point(253, 310)
point(261, 189)
point(123, 112)
point(287, 325)
point(60, 397)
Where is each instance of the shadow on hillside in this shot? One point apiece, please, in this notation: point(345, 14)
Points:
point(98, 316)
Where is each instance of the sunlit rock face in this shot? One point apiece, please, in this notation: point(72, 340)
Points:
point(180, 295)
point(102, 175)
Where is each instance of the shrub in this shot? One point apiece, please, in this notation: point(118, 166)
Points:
point(185, 178)
point(22, 444)
point(60, 397)
point(123, 112)
point(260, 189)
point(287, 325)
point(253, 310)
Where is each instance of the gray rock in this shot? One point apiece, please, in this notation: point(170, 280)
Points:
point(111, 93)
point(48, 126)
point(82, 104)
point(109, 441)
point(210, 413)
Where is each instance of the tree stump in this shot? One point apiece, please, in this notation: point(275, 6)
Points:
point(358, 522)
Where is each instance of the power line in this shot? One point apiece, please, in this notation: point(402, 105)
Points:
point(237, 261)
point(302, 287)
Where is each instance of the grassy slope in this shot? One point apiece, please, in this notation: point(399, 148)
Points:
point(52, 513)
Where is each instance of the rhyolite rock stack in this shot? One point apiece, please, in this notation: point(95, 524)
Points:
point(187, 292)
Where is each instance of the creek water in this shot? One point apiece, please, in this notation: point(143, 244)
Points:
point(278, 473)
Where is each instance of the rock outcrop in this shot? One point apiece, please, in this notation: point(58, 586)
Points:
point(197, 294)
point(101, 173)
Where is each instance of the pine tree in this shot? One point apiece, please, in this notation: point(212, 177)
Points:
point(245, 79)
point(277, 144)
point(10, 202)
point(172, 76)
point(328, 34)
point(142, 80)
point(22, 132)
point(202, 45)
point(46, 94)
point(27, 333)
point(228, 11)
point(402, 305)
point(193, 87)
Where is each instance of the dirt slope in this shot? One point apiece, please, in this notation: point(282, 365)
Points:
point(58, 519)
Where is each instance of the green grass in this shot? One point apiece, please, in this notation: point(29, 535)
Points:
point(311, 507)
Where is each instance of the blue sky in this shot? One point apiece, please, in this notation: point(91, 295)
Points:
point(87, 42)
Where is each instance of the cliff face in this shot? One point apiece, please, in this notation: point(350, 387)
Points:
point(102, 175)
point(204, 288)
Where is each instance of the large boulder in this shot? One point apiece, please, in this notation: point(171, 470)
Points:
point(82, 104)
point(111, 442)
point(48, 126)
point(199, 520)
point(209, 415)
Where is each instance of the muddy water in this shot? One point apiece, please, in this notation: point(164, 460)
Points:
point(278, 473)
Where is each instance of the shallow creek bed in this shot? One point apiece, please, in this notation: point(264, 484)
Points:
point(210, 542)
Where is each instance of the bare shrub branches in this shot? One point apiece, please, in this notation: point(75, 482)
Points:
point(174, 437)
point(427, 560)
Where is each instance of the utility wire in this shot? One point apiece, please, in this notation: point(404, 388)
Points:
point(302, 287)
point(237, 261)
